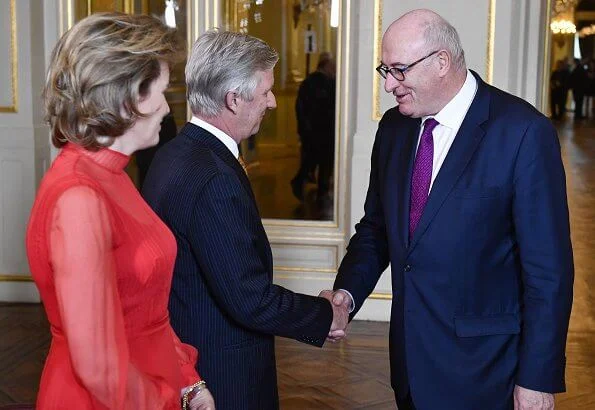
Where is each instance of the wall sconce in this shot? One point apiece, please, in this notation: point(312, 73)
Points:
point(562, 26)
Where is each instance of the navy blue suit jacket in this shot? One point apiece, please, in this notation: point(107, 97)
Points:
point(482, 292)
point(223, 300)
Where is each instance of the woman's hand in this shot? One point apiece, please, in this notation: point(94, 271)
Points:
point(202, 401)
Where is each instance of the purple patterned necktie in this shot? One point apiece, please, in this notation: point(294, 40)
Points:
point(422, 175)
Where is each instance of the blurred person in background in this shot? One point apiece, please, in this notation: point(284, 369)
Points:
point(315, 112)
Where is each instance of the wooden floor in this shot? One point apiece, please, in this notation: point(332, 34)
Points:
point(354, 374)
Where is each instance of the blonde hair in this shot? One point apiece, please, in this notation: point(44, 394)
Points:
point(99, 71)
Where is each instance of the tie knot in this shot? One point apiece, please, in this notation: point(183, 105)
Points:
point(429, 125)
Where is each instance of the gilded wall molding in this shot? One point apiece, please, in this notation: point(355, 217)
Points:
point(381, 296)
point(378, 19)
point(547, 55)
point(378, 14)
point(13, 108)
point(15, 278)
point(491, 39)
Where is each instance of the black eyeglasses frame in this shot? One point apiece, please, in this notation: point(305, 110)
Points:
point(399, 72)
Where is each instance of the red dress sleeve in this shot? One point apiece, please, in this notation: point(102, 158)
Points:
point(81, 254)
point(187, 357)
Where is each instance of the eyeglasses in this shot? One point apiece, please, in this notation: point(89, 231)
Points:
point(399, 72)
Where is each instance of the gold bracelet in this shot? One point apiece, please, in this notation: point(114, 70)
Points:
point(198, 386)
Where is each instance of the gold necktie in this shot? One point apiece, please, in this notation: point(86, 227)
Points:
point(243, 164)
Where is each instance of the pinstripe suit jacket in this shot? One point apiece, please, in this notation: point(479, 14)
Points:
point(222, 299)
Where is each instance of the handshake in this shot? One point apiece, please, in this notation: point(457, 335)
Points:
point(341, 304)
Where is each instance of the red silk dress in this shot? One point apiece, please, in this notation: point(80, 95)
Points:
point(103, 263)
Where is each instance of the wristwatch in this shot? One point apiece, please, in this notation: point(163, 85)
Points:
point(192, 392)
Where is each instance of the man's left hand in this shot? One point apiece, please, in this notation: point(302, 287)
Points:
point(525, 399)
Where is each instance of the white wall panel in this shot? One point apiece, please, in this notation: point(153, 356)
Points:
point(23, 148)
point(6, 39)
point(306, 257)
point(12, 195)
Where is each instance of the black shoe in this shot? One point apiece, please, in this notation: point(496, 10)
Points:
point(297, 187)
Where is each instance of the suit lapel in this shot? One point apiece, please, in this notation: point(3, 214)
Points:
point(465, 143)
point(214, 144)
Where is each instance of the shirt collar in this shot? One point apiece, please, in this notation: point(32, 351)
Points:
point(453, 113)
point(221, 136)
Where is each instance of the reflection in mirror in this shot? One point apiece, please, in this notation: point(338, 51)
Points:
point(290, 161)
point(572, 71)
point(173, 13)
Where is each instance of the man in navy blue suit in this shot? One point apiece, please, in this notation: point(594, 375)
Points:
point(223, 300)
point(467, 202)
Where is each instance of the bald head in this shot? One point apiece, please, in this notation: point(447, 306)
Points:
point(423, 30)
point(414, 22)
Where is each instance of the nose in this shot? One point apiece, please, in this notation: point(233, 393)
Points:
point(390, 83)
point(271, 102)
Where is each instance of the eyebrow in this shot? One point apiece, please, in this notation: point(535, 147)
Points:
point(392, 65)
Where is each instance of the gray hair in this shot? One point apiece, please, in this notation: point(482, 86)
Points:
point(440, 34)
point(224, 61)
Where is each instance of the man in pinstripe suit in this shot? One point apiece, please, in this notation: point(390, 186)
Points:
point(223, 300)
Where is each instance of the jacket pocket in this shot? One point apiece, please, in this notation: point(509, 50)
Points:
point(472, 326)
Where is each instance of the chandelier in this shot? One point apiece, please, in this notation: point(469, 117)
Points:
point(563, 17)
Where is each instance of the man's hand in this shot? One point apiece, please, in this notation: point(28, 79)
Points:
point(341, 298)
point(525, 399)
point(340, 315)
point(202, 401)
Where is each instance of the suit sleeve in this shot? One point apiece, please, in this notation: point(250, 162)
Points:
point(367, 253)
point(224, 234)
point(540, 214)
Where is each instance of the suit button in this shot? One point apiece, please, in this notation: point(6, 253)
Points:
point(407, 268)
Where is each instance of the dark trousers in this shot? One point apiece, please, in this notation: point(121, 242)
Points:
point(578, 104)
point(558, 102)
point(318, 150)
point(405, 403)
point(307, 162)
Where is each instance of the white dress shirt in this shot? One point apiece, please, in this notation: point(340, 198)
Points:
point(221, 136)
point(450, 119)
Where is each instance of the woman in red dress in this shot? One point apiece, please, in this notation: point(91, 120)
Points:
point(102, 260)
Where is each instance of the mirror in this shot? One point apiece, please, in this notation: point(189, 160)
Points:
point(290, 161)
point(572, 70)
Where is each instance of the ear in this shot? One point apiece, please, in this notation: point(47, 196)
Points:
point(444, 61)
point(231, 101)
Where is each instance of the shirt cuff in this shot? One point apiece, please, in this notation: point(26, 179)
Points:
point(352, 304)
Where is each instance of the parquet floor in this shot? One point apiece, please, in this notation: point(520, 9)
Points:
point(354, 374)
